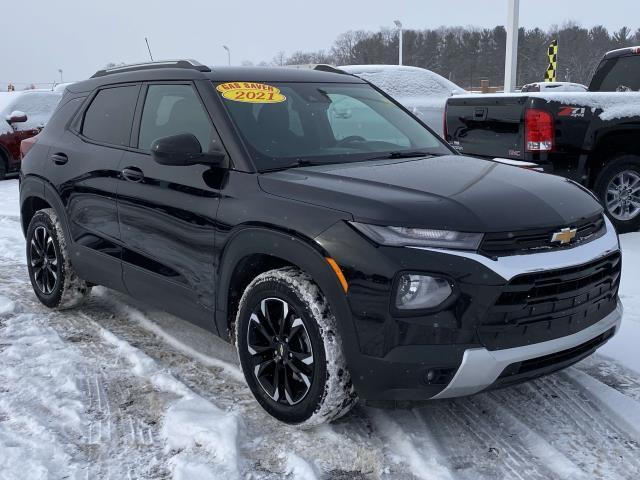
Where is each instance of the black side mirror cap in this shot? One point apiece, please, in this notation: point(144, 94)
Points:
point(183, 150)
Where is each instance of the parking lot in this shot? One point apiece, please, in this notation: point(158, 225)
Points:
point(117, 390)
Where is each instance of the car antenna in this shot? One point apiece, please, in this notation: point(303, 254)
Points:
point(148, 48)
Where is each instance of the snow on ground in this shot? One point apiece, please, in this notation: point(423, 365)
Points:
point(117, 389)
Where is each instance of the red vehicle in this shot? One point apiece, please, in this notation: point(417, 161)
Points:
point(22, 116)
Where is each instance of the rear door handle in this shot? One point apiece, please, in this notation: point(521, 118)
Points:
point(133, 174)
point(59, 158)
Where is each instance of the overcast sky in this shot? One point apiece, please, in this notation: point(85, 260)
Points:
point(81, 36)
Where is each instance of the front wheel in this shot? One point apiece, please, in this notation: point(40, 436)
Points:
point(290, 350)
point(618, 188)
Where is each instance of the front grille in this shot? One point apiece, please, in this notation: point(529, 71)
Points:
point(514, 243)
point(537, 307)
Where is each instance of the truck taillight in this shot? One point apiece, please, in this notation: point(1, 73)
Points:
point(539, 130)
point(26, 145)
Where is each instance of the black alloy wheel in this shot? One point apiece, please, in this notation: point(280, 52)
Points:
point(44, 261)
point(281, 351)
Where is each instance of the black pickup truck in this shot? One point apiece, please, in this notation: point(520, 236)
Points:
point(591, 137)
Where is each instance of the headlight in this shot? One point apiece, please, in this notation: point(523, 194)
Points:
point(417, 292)
point(419, 237)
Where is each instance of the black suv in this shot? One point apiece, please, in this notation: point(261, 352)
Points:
point(306, 216)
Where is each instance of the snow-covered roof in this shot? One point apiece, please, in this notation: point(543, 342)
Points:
point(403, 82)
point(6, 98)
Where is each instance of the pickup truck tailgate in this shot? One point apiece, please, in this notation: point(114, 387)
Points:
point(486, 126)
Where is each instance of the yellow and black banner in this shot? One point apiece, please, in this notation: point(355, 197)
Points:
point(550, 75)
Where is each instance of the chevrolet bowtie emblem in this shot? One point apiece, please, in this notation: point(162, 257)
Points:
point(564, 236)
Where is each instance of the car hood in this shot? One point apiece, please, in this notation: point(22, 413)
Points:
point(450, 192)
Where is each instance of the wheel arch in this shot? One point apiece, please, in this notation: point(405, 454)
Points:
point(612, 145)
point(255, 249)
point(37, 194)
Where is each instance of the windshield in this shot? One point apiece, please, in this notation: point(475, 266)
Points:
point(620, 74)
point(39, 106)
point(284, 124)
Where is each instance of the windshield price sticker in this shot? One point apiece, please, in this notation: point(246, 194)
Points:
point(251, 92)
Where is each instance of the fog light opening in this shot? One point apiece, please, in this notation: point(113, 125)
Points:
point(438, 376)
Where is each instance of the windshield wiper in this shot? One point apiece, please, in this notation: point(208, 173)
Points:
point(298, 163)
point(401, 154)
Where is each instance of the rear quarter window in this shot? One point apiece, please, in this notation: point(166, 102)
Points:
point(110, 116)
point(618, 74)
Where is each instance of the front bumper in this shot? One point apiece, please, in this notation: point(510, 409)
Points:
point(393, 358)
point(480, 368)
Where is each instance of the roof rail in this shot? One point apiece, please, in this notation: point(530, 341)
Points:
point(321, 67)
point(186, 64)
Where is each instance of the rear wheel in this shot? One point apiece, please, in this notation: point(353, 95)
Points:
point(290, 350)
point(618, 187)
point(53, 278)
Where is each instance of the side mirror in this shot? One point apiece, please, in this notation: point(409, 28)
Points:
point(183, 150)
point(16, 117)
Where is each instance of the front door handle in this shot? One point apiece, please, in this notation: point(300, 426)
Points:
point(133, 174)
point(59, 158)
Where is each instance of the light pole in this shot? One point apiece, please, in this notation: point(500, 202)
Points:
point(399, 25)
point(228, 54)
point(60, 72)
point(511, 55)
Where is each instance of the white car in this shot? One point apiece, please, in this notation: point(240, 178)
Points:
point(422, 91)
point(554, 87)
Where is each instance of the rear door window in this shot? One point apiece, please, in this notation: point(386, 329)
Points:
point(173, 110)
point(110, 116)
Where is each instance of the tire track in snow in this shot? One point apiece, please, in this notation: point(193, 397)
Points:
point(611, 374)
point(411, 445)
point(556, 410)
point(102, 450)
point(350, 449)
point(560, 466)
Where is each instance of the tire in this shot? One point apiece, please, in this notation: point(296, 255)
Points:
point(4, 167)
point(311, 359)
point(53, 278)
point(622, 172)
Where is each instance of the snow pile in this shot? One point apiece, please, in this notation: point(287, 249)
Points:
point(38, 397)
point(298, 468)
point(202, 437)
point(6, 98)
point(7, 306)
point(9, 198)
point(624, 346)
